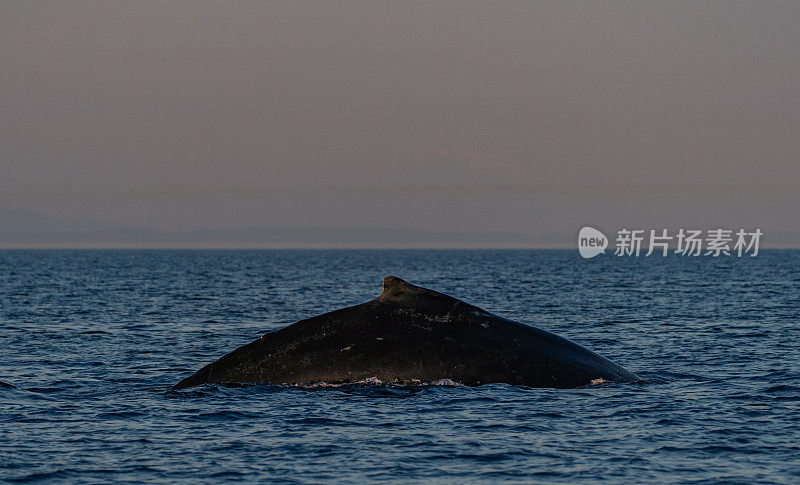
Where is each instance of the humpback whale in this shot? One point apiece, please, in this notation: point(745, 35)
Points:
point(411, 334)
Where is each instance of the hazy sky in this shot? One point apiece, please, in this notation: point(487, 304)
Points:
point(529, 118)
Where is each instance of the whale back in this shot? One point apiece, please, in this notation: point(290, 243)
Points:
point(411, 334)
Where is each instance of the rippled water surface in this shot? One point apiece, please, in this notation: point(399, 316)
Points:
point(91, 341)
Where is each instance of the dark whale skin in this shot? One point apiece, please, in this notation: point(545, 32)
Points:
point(411, 334)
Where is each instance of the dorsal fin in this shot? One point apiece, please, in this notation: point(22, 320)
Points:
point(394, 287)
point(400, 291)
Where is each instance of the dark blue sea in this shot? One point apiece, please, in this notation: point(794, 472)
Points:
point(92, 340)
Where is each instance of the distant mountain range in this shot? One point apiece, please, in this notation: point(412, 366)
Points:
point(25, 228)
point(31, 228)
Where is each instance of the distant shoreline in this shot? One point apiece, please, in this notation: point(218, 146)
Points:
point(317, 246)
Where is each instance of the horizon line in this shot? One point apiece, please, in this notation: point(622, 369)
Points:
point(323, 246)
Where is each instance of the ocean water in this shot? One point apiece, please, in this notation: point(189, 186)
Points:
point(92, 340)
